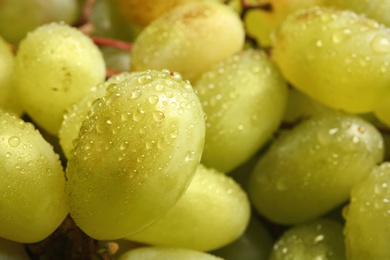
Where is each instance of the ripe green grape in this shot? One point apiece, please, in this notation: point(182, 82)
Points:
point(319, 239)
point(244, 98)
point(33, 201)
point(162, 253)
point(213, 212)
point(367, 217)
point(55, 66)
point(383, 114)
point(8, 98)
point(311, 169)
point(375, 9)
point(10, 250)
point(188, 39)
point(336, 57)
point(17, 18)
point(78, 112)
point(135, 154)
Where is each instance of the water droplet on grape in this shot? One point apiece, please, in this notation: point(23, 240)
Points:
point(138, 114)
point(14, 141)
point(380, 44)
point(153, 99)
point(136, 94)
point(158, 116)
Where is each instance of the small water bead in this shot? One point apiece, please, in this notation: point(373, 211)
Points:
point(169, 94)
point(153, 99)
point(190, 155)
point(14, 141)
point(136, 94)
point(380, 44)
point(158, 116)
point(174, 134)
point(341, 36)
point(138, 114)
point(160, 87)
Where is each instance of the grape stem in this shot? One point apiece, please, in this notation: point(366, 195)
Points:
point(102, 41)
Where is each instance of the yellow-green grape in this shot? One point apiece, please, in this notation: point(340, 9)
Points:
point(320, 239)
point(300, 106)
point(336, 57)
point(55, 66)
point(78, 112)
point(8, 98)
point(17, 18)
point(213, 212)
point(10, 250)
point(367, 217)
point(261, 24)
point(375, 9)
point(189, 39)
point(255, 244)
point(166, 253)
point(383, 114)
point(311, 169)
point(135, 155)
point(244, 98)
point(32, 187)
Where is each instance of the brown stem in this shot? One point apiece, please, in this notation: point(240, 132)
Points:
point(102, 41)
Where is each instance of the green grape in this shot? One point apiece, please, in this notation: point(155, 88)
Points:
point(320, 239)
point(261, 24)
point(135, 154)
point(10, 250)
point(55, 66)
point(375, 9)
point(18, 17)
point(311, 169)
point(166, 253)
point(300, 106)
point(367, 217)
point(254, 244)
point(78, 112)
point(383, 114)
point(213, 212)
point(244, 98)
point(8, 98)
point(336, 57)
point(33, 201)
point(189, 39)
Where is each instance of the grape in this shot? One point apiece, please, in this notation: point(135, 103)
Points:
point(8, 99)
point(166, 253)
point(78, 112)
point(254, 244)
point(311, 169)
point(382, 113)
point(333, 56)
point(10, 250)
point(319, 239)
point(55, 66)
point(367, 216)
point(375, 9)
point(244, 98)
point(135, 154)
point(186, 224)
point(33, 202)
point(26, 15)
point(188, 39)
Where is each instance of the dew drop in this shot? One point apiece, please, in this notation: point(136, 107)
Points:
point(160, 87)
point(341, 36)
point(174, 134)
point(136, 94)
point(14, 141)
point(153, 99)
point(138, 114)
point(158, 116)
point(380, 44)
point(124, 145)
point(190, 155)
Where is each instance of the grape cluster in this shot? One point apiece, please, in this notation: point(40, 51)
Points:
point(225, 130)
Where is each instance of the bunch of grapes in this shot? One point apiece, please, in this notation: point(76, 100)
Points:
point(194, 129)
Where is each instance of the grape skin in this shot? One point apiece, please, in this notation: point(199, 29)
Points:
point(188, 39)
point(33, 197)
point(55, 66)
point(135, 155)
point(185, 224)
point(336, 57)
point(312, 169)
point(244, 97)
